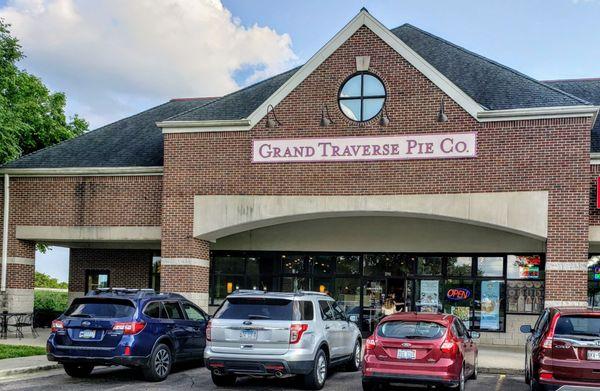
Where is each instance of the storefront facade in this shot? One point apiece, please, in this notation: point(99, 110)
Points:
point(392, 164)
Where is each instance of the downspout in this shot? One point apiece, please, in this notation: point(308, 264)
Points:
point(5, 232)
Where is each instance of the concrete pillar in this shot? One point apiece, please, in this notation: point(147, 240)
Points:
point(189, 275)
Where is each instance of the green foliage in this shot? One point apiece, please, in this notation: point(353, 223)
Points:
point(31, 117)
point(12, 351)
point(45, 281)
point(50, 301)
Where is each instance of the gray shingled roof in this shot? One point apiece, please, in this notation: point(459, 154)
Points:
point(588, 89)
point(135, 141)
point(492, 85)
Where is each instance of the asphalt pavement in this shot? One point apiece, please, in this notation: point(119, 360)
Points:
point(194, 377)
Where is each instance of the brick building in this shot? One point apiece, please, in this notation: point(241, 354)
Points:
point(393, 164)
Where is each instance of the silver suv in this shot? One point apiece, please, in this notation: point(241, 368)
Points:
point(279, 334)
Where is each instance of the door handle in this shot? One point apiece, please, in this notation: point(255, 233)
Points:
point(344, 328)
point(327, 327)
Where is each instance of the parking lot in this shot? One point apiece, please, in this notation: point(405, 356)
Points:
point(198, 377)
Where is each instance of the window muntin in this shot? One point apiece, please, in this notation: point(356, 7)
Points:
point(362, 97)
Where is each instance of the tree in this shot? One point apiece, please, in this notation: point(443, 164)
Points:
point(31, 116)
point(43, 280)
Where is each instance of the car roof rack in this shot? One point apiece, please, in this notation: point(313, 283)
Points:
point(285, 294)
point(136, 293)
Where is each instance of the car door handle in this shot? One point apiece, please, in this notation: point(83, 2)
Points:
point(344, 328)
point(327, 327)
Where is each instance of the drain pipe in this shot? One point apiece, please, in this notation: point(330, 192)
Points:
point(5, 233)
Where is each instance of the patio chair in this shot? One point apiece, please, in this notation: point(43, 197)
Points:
point(25, 321)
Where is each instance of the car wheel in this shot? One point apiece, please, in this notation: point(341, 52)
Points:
point(159, 365)
point(369, 386)
point(315, 380)
point(527, 374)
point(353, 364)
point(475, 369)
point(78, 370)
point(223, 380)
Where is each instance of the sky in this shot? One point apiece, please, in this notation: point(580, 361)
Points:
point(114, 58)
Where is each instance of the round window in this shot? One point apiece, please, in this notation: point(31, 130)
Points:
point(362, 97)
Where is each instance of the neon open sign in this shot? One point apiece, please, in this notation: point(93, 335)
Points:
point(458, 294)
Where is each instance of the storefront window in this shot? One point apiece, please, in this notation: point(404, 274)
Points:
point(490, 266)
point(594, 281)
point(458, 299)
point(459, 266)
point(323, 264)
point(427, 296)
point(523, 267)
point(155, 274)
point(229, 264)
point(489, 305)
point(525, 297)
point(97, 279)
point(293, 264)
point(429, 266)
point(348, 265)
point(224, 285)
point(386, 265)
point(323, 285)
point(293, 284)
point(262, 264)
point(347, 293)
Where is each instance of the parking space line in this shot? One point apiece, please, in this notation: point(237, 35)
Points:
point(500, 381)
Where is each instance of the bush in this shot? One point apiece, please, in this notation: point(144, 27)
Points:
point(47, 306)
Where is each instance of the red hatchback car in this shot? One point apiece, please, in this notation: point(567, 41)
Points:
point(563, 349)
point(420, 348)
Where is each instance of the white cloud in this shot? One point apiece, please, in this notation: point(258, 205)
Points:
point(112, 56)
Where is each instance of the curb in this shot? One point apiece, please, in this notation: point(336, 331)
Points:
point(38, 368)
point(502, 371)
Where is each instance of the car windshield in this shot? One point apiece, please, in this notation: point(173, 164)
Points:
point(585, 326)
point(411, 330)
point(256, 308)
point(100, 308)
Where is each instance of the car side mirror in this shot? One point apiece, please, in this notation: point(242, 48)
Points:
point(353, 318)
point(475, 335)
point(526, 329)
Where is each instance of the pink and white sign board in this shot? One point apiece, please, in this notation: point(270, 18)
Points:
point(339, 149)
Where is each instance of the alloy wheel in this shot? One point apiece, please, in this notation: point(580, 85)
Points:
point(161, 362)
point(321, 369)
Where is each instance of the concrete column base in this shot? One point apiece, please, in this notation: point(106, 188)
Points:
point(19, 300)
point(198, 298)
point(73, 295)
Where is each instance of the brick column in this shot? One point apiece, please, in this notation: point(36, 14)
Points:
point(20, 268)
point(567, 246)
point(188, 276)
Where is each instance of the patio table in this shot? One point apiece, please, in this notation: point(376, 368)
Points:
point(5, 316)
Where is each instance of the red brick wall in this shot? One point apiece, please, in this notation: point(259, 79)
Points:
point(550, 155)
point(128, 268)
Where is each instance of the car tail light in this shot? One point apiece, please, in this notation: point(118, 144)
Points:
point(370, 343)
point(129, 328)
point(296, 332)
point(57, 325)
point(127, 351)
point(546, 376)
point(449, 347)
point(208, 330)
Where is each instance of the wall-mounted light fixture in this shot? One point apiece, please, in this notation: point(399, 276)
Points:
point(441, 116)
point(272, 120)
point(385, 118)
point(325, 119)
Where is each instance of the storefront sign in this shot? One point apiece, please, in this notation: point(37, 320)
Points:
point(418, 146)
point(490, 305)
point(458, 294)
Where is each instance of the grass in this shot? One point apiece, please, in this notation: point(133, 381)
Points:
point(12, 351)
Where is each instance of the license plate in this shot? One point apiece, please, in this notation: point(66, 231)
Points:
point(404, 354)
point(87, 334)
point(593, 355)
point(248, 335)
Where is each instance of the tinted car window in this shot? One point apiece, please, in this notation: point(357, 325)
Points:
point(193, 313)
point(153, 310)
point(338, 313)
point(585, 326)
point(101, 308)
point(540, 325)
point(411, 330)
point(326, 311)
point(173, 310)
point(255, 308)
point(305, 311)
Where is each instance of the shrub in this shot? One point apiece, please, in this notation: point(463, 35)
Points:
point(50, 301)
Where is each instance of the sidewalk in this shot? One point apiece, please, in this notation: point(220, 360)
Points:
point(496, 359)
point(15, 366)
point(28, 340)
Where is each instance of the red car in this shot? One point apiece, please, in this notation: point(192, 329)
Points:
point(563, 349)
point(420, 348)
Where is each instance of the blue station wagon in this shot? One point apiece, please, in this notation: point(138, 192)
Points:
point(134, 328)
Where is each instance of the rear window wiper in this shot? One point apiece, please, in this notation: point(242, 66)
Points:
point(258, 317)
